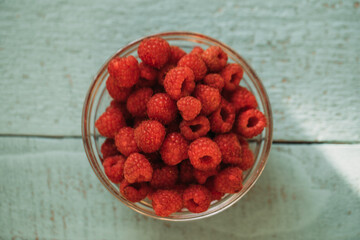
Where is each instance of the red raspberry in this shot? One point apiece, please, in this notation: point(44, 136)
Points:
point(134, 192)
point(186, 172)
point(163, 72)
point(125, 71)
point(202, 176)
point(197, 198)
point(195, 63)
point(230, 148)
point(229, 180)
point(214, 80)
point(179, 82)
point(154, 51)
point(162, 108)
point(248, 158)
point(176, 54)
point(232, 75)
point(215, 58)
point(180, 188)
point(110, 122)
point(108, 148)
point(122, 108)
point(209, 97)
point(125, 141)
point(204, 154)
point(148, 75)
point(189, 107)
point(137, 168)
point(164, 177)
point(250, 123)
point(149, 135)
point(223, 118)
point(118, 93)
point(174, 149)
point(166, 202)
point(215, 195)
point(114, 168)
point(196, 128)
point(197, 50)
point(242, 99)
point(136, 103)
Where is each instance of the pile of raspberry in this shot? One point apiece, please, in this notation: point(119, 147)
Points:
point(177, 126)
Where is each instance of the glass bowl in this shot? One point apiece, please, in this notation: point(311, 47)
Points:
point(98, 99)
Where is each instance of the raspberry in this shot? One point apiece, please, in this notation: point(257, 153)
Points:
point(215, 58)
point(166, 202)
point(248, 158)
point(179, 82)
point(125, 71)
point(176, 54)
point(149, 135)
point(114, 168)
point(110, 122)
point(202, 176)
point(214, 80)
point(242, 99)
point(195, 63)
point(162, 108)
point(163, 72)
point(154, 51)
point(180, 188)
point(229, 180)
point(117, 93)
point(186, 172)
point(250, 123)
point(136, 103)
point(189, 107)
point(122, 108)
point(134, 192)
point(164, 177)
point(215, 195)
point(197, 198)
point(232, 75)
point(204, 154)
point(125, 141)
point(223, 118)
point(137, 168)
point(197, 50)
point(209, 97)
point(196, 128)
point(230, 148)
point(108, 148)
point(148, 75)
point(174, 149)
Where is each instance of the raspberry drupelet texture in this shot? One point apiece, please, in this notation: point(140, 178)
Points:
point(250, 123)
point(197, 50)
point(215, 195)
point(176, 54)
point(189, 107)
point(136, 103)
point(195, 63)
point(232, 75)
point(110, 122)
point(125, 71)
point(148, 75)
point(163, 72)
point(119, 94)
point(229, 180)
point(149, 135)
point(248, 158)
point(166, 202)
point(125, 141)
point(137, 168)
point(222, 120)
point(202, 176)
point(134, 192)
point(204, 154)
point(154, 51)
point(174, 149)
point(122, 108)
point(197, 198)
point(186, 172)
point(196, 128)
point(114, 168)
point(162, 108)
point(215, 58)
point(164, 177)
point(242, 99)
point(230, 148)
point(209, 97)
point(214, 80)
point(179, 82)
point(108, 148)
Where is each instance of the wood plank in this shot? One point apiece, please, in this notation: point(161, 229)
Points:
point(48, 191)
point(306, 53)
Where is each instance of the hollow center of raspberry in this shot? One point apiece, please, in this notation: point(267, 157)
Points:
point(224, 114)
point(234, 78)
point(206, 159)
point(195, 127)
point(192, 203)
point(252, 122)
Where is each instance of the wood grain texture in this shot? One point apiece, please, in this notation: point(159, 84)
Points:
point(306, 52)
point(48, 191)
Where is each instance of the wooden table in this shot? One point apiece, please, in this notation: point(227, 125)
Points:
point(306, 52)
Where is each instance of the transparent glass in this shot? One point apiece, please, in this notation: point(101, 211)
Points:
point(98, 99)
